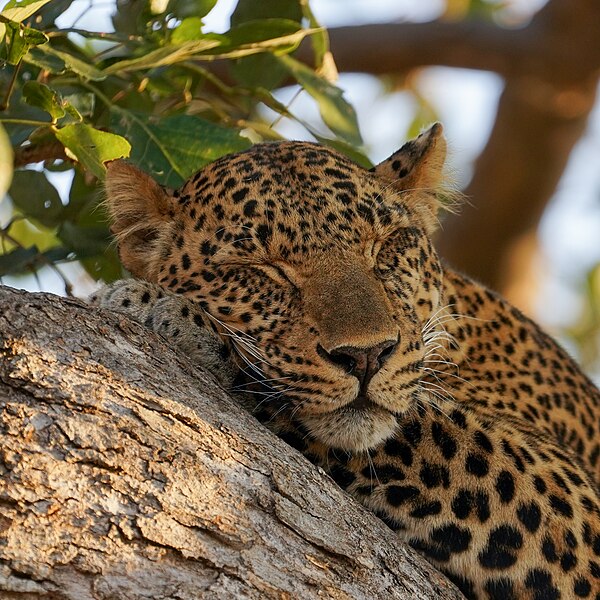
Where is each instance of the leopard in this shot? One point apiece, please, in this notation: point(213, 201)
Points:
point(309, 286)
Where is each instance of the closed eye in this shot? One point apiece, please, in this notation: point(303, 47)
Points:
point(387, 260)
point(279, 273)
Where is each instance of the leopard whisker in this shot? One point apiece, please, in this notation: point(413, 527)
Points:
point(257, 407)
point(252, 366)
point(448, 374)
point(439, 332)
point(242, 347)
point(278, 412)
point(265, 382)
point(372, 470)
point(437, 337)
point(431, 402)
point(442, 361)
point(433, 352)
point(441, 388)
point(231, 328)
point(437, 392)
point(434, 316)
point(250, 238)
point(277, 396)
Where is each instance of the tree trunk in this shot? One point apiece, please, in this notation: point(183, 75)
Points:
point(123, 476)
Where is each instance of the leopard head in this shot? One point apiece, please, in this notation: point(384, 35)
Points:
point(321, 272)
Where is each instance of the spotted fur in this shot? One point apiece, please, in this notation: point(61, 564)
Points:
point(425, 395)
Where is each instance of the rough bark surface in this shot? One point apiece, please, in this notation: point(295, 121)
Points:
point(125, 477)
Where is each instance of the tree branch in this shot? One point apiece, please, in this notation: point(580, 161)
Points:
point(124, 476)
point(541, 116)
point(33, 153)
point(385, 48)
point(560, 45)
point(535, 130)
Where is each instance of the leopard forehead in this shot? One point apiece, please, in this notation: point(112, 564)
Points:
point(287, 200)
point(275, 201)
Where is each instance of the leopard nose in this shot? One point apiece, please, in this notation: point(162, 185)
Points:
point(363, 363)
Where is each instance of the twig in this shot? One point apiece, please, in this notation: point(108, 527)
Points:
point(34, 153)
point(41, 258)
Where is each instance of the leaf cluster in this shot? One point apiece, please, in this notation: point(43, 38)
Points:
point(158, 90)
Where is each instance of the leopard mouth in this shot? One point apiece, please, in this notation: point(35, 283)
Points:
point(359, 426)
point(363, 402)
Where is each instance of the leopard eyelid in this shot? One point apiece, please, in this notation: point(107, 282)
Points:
point(280, 271)
point(285, 273)
point(375, 249)
point(371, 250)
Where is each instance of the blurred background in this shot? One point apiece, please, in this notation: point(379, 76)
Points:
point(513, 81)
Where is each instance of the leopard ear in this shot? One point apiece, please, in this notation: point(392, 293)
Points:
point(418, 167)
point(141, 215)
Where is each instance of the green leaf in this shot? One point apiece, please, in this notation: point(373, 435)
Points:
point(83, 102)
point(91, 147)
point(260, 36)
point(72, 115)
point(163, 56)
point(19, 10)
point(27, 234)
point(50, 12)
point(6, 162)
point(105, 266)
point(85, 241)
point(18, 109)
point(36, 197)
point(77, 65)
point(39, 58)
point(251, 10)
point(18, 133)
point(189, 29)
point(174, 148)
point(182, 9)
point(86, 234)
point(320, 41)
point(19, 39)
point(82, 200)
point(262, 30)
point(17, 260)
point(262, 70)
point(258, 71)
point(335, 111)
point(57, 254)
point(350, 151)
point(132, 18)
point(40, 95)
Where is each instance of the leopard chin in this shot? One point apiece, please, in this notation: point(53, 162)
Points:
point(350, 428)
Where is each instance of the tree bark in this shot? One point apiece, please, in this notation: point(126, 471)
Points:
point(127, 475)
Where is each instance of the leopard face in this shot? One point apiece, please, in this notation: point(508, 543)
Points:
point(322, 273)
